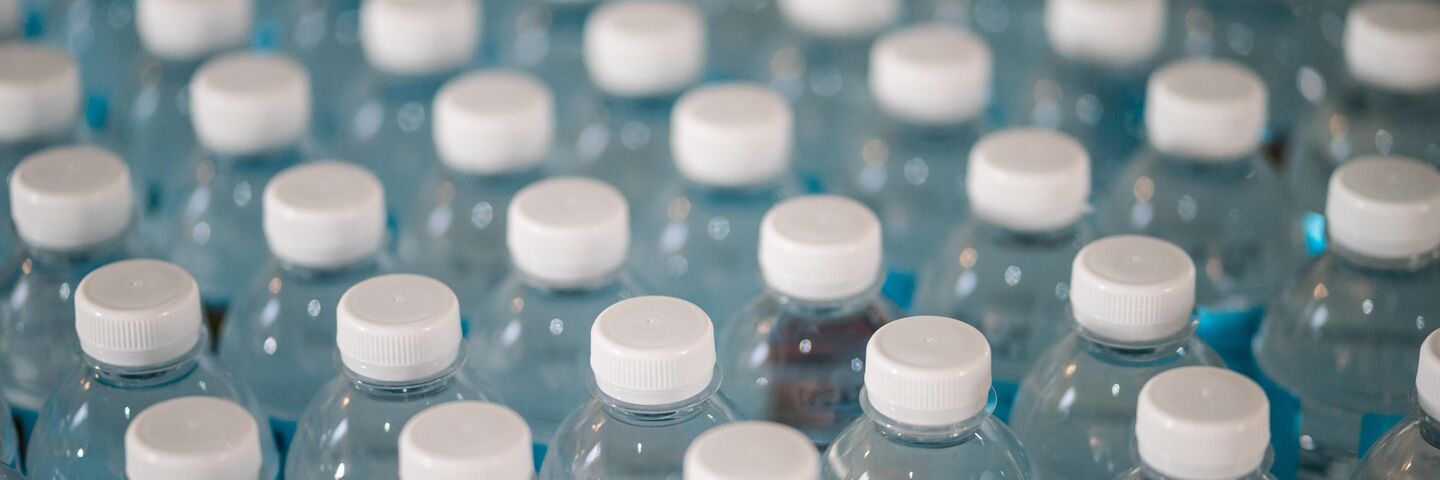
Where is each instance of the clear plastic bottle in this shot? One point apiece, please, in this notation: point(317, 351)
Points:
point(637, 424)
point(102, 35)
point(141, 343)
point(494, 133)
point(325, 37)
point(1342, 335)
point(741, 31)
point(9, 437)
point(73, 208)
point(546, 38)
point(194, 437)
point(568, 238)
point(927, 405)
point(1132, 297)
point(249, 131)
point(1411, 450)
point(1201, 183)
point(1006, 270)
point(750, 450)
point(325, 226)
point(1200, 423)
point(466, 440)
point(1388, 104)
point(731, 144)
point(400, 352)
point(795, 355)
point(930, 85)
point(39, 110)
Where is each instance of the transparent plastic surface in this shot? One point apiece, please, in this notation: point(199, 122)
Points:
point(622, 141)
point(9, 438)
point(1144, 473)
point(383, 123)
point(738, 29)
point(100, 34)
point(1410, 451)
point(154, 134)
point(325, 36)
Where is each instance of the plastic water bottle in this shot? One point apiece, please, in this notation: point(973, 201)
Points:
point(1342, 335)
point(1390, 105)
point(1412, 448)
point(400, 353)
point(637, 425)
point(1201, 183)
point(102, 35)
point(547, 39)
point(731, 144)
point(1006, 270)
point(927, 402)
point(324, 224)
point(741, 33)
point(39, 109)
point(1197, 423)
point(249, 131)
point(9, 438)
point(568, 238)
point(1132, 297)
point(73, 209)
point(930, 84)
point(466, 439)
point(141, 343)
point(494, 133)
point(194, 437)
point(795, 355)
point(748, 450)
point(639, 55)
point(325, 37)
point(383, 119)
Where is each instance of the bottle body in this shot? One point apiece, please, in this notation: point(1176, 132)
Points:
point(155, 135)
point(1410, 451)
point(325, 37)
point(875, 446)
point(622, 141)
point(383, 123)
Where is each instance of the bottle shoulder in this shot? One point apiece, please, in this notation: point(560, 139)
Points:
point(1076, 365)
point(595, 441)
point(772, 316)
point(1404, 454)
point(863, 450)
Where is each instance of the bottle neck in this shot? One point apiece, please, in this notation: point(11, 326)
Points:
point(655, 415)
point(579, 287)
point(1148, 473)
point(102, 252)
point(406, 388)
point(278, 157)
point(1430, 429)
point(147, 375)
point(367, 263)
point(925, 436)
point(837, 308)
point(1137, 352)
point(1028, 239)
point(1366, 262)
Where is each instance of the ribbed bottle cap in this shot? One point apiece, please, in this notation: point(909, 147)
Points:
point(464, 441)
point(1028, 179)
point(1395, 44)
point(137, 313)
point(841, 18)
point(190, 29)
point(927, 371)
point(752, 450)
point(39, 91)
point(248, 103)
point(931, 74)
point(70, 198)
point(652, 350)
point(494, 122)
point(568, 231)
point(9, 18)
point(644, 48)
point(820, 247)
point(1131, 288)
point(419, 37)
point(1205, 109)
point(1386, 207)
point(1107, 32)
point(324, 214)
point(1427, 375)
point(732, 135)
point(1202, 423)
point(398, 328)
point(193, 438)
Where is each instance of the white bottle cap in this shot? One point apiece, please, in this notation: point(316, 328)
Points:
point(70, 198)
point(9, 18)
point(191, 29)
point(247, 103)
point(1205, 109)
point(324, 214)
point(820, 248)
point(1427, 375)
point(1028, 179)
point(732, 135)
point(419, 37)
point(931, 74)
point(137, 313)
point(193, 438)
point(1385, 207)
point(840, 18)
point(1202, 423)
point(1395, 45)
point(398, 328)
point(1108, 32)
point(39, 91)
point(928, 371)
point(494, 122)
point(464, 441)
point(652, 350)
point(644, 48)
point(751, 450)
point(1131, 288)
point(568, 231)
